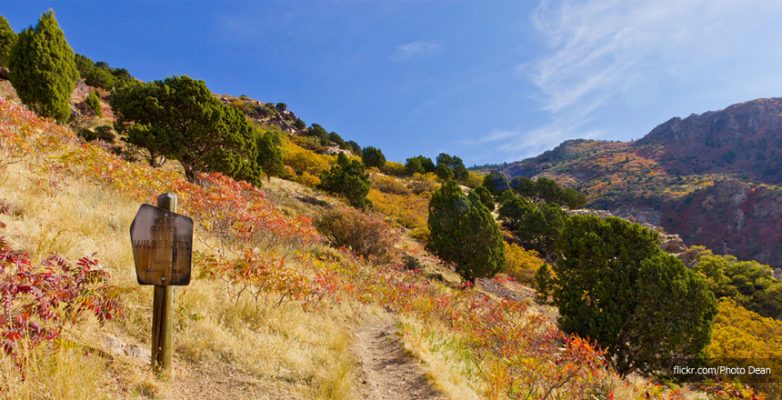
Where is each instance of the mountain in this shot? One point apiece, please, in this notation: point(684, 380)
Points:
point(712, 178)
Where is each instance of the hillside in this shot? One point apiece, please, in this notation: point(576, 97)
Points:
point(710, 178)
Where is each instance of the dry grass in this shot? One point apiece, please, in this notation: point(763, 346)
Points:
point(282, 352)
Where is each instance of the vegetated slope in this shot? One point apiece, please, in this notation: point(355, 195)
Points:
point(710, 178)
point(270, 304)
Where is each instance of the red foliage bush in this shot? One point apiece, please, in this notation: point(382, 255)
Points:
point(367, 235)
point(39, 300)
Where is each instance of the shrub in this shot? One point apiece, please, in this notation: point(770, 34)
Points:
point(463, 231)
point(299, 124)
point(7, 41)
point(496, 182)
point(367, 235)
point(408, 210)
point(100, 74)
point(393, 168)
point(419, 165)
point(521, 264)
point(93, 102)
point(537, 226)
point(43, 70)
point(102, 133)
point(38, 301)
point(281, 107)
point(544, 284)
point(317, 131)
point(353, 147)
point(387, 184)
point(749, 283)
point(303, 161)
point(348, 178)
point(615, 285)
point(336, 139)
point(179, 118)
point(484, 197)
point(270, 154)
point(373, 157)
point(547, 190)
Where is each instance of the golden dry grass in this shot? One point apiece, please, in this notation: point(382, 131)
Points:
point(282, 352)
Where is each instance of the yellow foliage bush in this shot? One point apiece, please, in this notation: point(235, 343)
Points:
point(408, 210)
point(521, 264)
point(304, 161)
point(741, 333)
point(388, 184)
point(394, 168)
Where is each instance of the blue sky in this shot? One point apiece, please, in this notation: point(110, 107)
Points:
point(490, 81)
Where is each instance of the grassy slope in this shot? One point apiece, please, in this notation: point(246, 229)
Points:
point(472, 344)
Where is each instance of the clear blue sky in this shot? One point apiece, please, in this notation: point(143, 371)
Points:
point(490, 81)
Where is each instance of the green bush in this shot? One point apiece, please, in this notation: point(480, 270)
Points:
point(348, 178)
point(463, 231)
point(537, 226)
point(373, 157)
point(615, 286)
point(419, 164)
point(270, 154)
point(43, 70)
point(496, 182)
point(449, 166)
point(93, 102)
point(547, 190)
point(100, 74)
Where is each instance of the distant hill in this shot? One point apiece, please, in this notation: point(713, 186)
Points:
point(712, 178)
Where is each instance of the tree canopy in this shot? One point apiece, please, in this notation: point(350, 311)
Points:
point(350, 179)
point(419, 164)
point(496, 182)
point(7, 41)
point(373, 157)
point(449, 166)
point(179, 118)
point(463, 231)
point(617, 287)
point(547, 190)
point(43, 70)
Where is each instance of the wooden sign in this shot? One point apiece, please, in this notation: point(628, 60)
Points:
point(162, 246)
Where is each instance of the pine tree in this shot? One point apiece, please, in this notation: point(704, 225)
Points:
point(350, 179)
point(43, 68)
point(463, 231)
point(7, 41)
point(270, 154)
point(616, 286)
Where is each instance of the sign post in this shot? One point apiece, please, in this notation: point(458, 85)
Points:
point(162, 251)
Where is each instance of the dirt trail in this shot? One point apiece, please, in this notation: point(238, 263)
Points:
point(387, 371)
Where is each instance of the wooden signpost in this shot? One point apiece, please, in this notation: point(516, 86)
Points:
point(162, 251)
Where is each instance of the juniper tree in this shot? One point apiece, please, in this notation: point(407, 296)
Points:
point(43, 68)
point(7, 41)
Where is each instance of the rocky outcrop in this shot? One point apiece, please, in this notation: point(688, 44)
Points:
point(709, 178)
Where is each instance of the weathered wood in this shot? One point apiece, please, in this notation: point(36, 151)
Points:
point(163, 309)
point(162, 245)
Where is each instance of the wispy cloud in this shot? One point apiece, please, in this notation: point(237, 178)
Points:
point(602, 53)
point(406, 51)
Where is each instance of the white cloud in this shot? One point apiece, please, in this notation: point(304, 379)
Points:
point(406, 51)
point(625, 52)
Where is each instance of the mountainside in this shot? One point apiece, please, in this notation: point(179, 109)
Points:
point(710, 178)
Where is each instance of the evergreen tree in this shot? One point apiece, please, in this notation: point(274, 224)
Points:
point(543, 283)
point(7, 41)
point(451, 166)
point(93, 102)
point(419, 164)
point(496, 182)
point(616, 286)
point(179, 118)
point(484, 197)
point(373, 157)
point(464, 232)
point(270, 154)
point(350, 179)
point(43, 69)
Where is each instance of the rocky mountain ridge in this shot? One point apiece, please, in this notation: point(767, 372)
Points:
point(711, 178)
